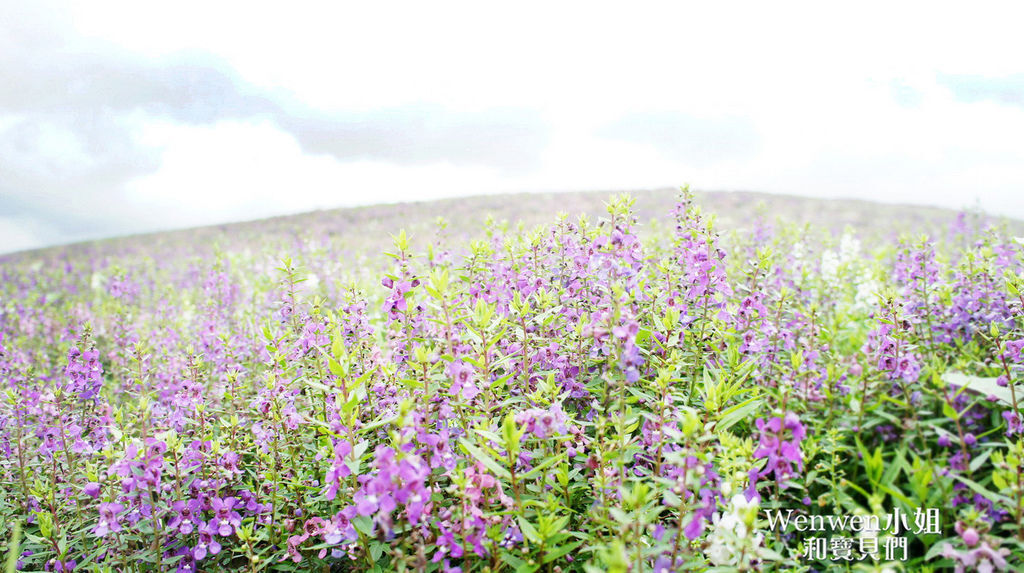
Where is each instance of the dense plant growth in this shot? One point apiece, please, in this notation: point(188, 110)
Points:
point(569, 398)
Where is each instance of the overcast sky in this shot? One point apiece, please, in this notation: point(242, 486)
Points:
point(126, 116)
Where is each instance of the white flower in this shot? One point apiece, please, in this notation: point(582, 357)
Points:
point(730, 532)
point(719, 553)
point(837, 263)
point(849, 248)
point(830, 267)
point(867, 288)
point(312, 282)
point(798, 251)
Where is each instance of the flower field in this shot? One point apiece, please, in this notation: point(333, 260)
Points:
point(586, 395)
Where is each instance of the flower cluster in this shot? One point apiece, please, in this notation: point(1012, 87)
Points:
point(585, 395)
point(779, 444)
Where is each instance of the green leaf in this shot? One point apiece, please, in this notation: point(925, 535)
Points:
point(317, 385)
point(981, 386)
point(978, 488)
point(527, 568)
point(529, 531)
point(560, 551)
point(893, 468)
point(335, 367)
point(552, 460)
point(13, 551)
point(734, 414)
point(511, 433)
point(949, 412)
point(485, 459)
point(512, 560)
point(978, 461)
point(488, 434)
point(377, 424)
point(359, 449)
point(560, 523)
point(363, 524)
point(896, 494)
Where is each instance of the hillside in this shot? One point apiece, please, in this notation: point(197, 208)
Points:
point(367, 229)
point(637, 391)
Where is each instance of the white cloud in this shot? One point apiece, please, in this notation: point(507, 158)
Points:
point(842, 101)
point(234, 170)
point(18, 234)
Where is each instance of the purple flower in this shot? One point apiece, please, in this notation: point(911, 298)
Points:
point(207, 542)
point(108, 522)
point(544, 423)
point(366, 504)
point(92, 489)
point(447, 546)
point(155, 448)
point(340, 527)
point(84, 373)
point(1014, 349)
point(226, 519)
point(338, 470)
point(970, 536)
point(981, 558)
point(694, 528)
point(1013, 423)
point(60, 566)
point(751, 491)
point(782, 453)
point(463, 383)
point(184, 516)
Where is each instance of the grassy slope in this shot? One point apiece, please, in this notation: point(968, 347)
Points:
point(372, 225)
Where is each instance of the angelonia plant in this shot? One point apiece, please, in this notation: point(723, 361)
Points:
point(591, 395)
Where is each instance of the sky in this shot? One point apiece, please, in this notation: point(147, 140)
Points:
point(121, 117)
